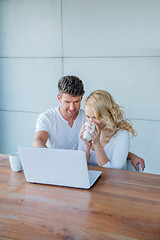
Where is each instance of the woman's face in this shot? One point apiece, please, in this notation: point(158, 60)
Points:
point(90, 116)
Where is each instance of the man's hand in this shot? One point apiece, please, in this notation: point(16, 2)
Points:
point(135, 160)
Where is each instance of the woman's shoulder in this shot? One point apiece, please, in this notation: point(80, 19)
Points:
point(121, 135)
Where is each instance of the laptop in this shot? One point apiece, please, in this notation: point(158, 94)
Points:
point(57, 167)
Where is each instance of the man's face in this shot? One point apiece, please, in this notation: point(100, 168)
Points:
point(69, 105)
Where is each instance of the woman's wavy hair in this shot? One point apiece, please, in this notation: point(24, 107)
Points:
point(109, 112)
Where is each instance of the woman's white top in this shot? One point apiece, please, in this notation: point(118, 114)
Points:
point(116, 151)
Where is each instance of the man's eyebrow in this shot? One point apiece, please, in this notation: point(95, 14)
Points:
point(71, 101)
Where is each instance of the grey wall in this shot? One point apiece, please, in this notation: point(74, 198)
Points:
point(112, 45)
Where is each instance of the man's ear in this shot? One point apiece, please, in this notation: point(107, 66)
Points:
point(59, 98)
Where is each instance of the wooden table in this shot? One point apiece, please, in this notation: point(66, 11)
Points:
point(121, 205)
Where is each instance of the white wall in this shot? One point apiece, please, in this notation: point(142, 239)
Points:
point(112, 45)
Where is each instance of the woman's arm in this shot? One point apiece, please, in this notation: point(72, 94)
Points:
point(87, 152)
point(83, 144)
point(101, 156)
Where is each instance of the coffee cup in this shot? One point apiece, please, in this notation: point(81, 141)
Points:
point(88, 130)
point(15, 162)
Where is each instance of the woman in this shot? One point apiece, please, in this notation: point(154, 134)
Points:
point(109, 145)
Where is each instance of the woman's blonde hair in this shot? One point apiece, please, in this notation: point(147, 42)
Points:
point(109, 112)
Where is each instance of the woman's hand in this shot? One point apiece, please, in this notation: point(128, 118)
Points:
point(87, 143)
point(96, 135)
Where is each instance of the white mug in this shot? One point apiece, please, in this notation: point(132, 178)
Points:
point(85, 134)
point(15, 162)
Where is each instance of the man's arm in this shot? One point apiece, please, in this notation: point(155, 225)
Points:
point(135, 160)
point(40, 139)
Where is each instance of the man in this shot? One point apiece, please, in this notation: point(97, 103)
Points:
point(60, 127)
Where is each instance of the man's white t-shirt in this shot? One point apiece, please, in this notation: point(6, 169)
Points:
point(116, 151)
point(61, 135)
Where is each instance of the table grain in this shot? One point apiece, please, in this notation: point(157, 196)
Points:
point(121, 205)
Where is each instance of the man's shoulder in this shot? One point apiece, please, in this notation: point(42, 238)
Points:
point(82, 115)
point(50, 112)
point(81, 111)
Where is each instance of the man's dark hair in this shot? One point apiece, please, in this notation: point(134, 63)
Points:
point(71, 85)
